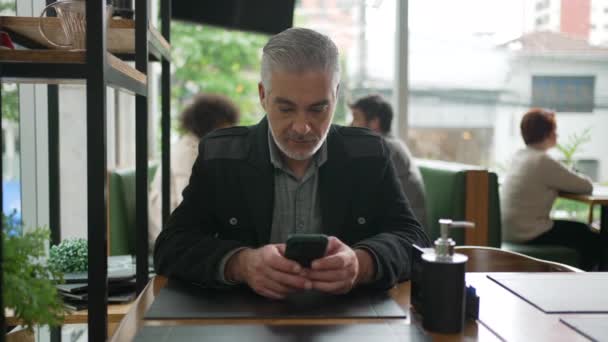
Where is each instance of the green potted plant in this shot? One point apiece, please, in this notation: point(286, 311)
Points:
point(572, 145)
point(29, 282)
point(70, 256)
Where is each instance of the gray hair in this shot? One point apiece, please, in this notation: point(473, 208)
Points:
point(299, 50)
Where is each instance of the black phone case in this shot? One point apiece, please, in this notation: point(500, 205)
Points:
point(304, 248)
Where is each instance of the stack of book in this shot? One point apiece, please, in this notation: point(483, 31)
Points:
point(121, 284)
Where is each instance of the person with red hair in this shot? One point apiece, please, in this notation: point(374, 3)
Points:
point(532, 184)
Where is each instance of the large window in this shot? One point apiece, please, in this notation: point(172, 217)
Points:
point(216, 60)
point(210, 59)
point(365, 34)
point(476, 66)
point(564, 93)
point(479, 65)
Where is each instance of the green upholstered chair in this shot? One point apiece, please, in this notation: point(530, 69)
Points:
point(122, 209)
point(459, 192)
point(445, 194)
point(448, 194)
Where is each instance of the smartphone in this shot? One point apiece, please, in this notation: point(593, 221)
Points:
point(304, 248)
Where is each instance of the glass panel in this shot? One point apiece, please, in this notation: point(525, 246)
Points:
point(216, 60)
point(364, 31)
point(564, 93)
point(11, 184)
point(476, 66)
point(7, 7)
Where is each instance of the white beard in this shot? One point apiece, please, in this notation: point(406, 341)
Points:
point(298, 155)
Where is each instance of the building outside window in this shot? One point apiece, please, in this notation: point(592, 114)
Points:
point(474, 72)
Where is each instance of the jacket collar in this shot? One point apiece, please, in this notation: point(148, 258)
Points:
point(259, 152)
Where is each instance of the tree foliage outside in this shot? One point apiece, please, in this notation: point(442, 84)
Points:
point(216, 60)
point(7, 7)
point(570, 149)
point(573, 145)
point(10, 102)
point(10, 109)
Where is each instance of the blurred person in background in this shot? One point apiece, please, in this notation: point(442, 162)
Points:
point(375, 113)
point(206, 113)
point(532, 184)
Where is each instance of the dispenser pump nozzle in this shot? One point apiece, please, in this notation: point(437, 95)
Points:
point(444, 245)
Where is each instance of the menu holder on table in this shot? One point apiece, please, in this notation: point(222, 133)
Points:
point(185, 301)
point(562, 292)
point(283, 333)
point(121, 284)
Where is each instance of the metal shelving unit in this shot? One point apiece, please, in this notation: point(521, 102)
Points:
point(99, 69)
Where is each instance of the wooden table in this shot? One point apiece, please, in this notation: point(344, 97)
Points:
point(598, 197)
point(116, 312)
point(502, 316)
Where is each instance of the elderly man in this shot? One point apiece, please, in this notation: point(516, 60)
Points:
point(293, 172)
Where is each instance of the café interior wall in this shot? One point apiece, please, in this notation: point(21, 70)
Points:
point(73, 156)
point(120, 143)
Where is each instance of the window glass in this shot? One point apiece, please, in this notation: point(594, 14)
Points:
point(476, 66)
point(365, 34)
point(216, 60)
point(210, 59)
point(11, 183)
point(564, 93)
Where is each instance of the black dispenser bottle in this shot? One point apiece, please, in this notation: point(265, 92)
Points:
point(444, 286)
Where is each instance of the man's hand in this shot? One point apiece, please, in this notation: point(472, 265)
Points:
point(341, 269)
point(267, 271)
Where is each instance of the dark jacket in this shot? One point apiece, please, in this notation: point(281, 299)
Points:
point(229, 204)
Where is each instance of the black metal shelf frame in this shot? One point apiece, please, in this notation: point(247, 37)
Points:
point(142, 35)
point(59, 71)
point(165, 10)
point(98, 73)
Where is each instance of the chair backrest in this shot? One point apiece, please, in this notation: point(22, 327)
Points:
point(462, 192)
point(122, 209)
point(494, 221)
point(489, 259)
point(445, 195)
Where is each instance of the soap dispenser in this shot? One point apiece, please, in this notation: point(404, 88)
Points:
point(443, 274)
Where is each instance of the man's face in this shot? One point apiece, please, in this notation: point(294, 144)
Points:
point(300, 108)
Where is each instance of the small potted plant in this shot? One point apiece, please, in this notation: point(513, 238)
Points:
point(29, 282)
point(573, 146)
point(70, 256)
